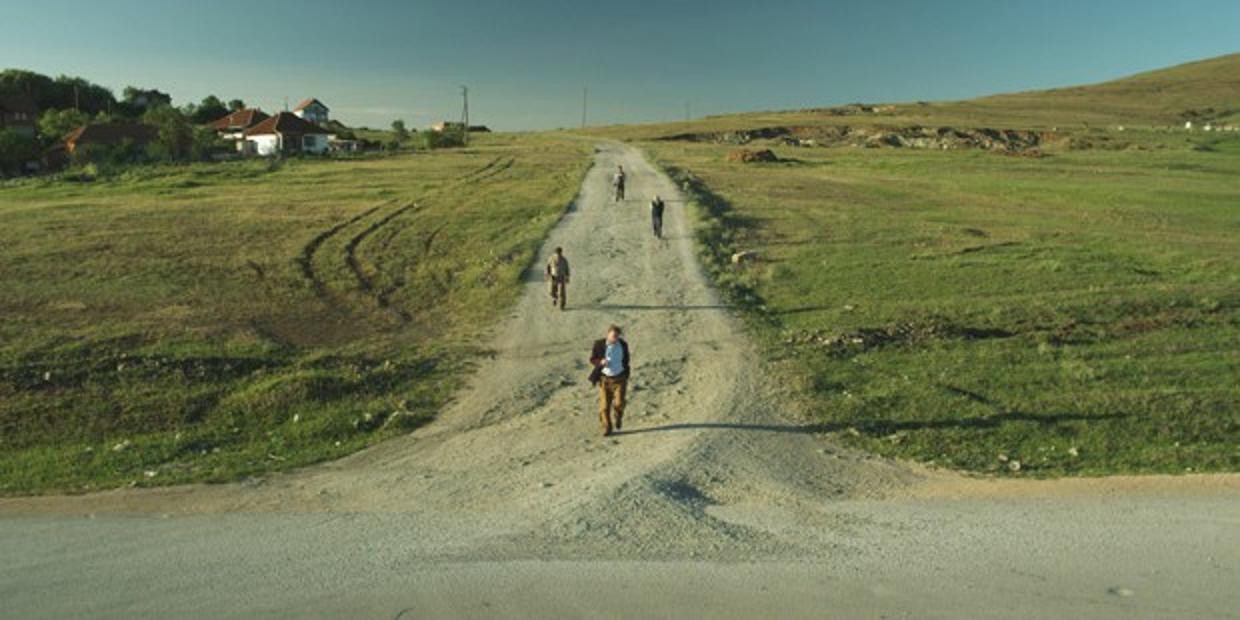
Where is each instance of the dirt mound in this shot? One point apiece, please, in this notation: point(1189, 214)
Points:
point(747, 156)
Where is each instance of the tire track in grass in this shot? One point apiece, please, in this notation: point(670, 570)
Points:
point(364, 282)
point(306, 259)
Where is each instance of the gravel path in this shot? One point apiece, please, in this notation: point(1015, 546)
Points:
point(711, 501)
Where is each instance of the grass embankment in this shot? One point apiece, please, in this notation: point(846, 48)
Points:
point(209, 322)
point(1074, 314)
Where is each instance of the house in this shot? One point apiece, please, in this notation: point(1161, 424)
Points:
point(102, 135)
point(285, 133)
point(312, 110)
point(19, 114)
point(110, 134)
point(232, 127)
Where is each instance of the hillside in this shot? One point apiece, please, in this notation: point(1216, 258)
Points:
point(1203, 91)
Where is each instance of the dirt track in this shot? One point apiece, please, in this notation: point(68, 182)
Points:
point(512, 504)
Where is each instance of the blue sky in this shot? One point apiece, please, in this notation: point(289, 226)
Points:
point(526, 61)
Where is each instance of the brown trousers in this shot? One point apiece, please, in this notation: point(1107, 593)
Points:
point(611, 393)
point(559, 292)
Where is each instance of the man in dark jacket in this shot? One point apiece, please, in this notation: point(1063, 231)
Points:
point(656, 216)
point(618, 182)
point(611, 361)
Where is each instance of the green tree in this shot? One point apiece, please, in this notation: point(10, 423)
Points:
point(209, 110)
point(15, 150)
point(399, 129)
point(452, 136)
point(61, 93)
point(175, 138)
point(56, 124)
point(138, 101)
point(236, 104)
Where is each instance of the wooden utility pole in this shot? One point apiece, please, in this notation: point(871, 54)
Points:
point(465, 114)
point(585, 100)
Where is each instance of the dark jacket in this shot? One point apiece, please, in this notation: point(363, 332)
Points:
point(599, 353)
point(656, 209)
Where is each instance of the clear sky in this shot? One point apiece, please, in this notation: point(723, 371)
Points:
point(526, 61)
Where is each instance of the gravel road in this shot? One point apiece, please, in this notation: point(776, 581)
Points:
point(712, 502)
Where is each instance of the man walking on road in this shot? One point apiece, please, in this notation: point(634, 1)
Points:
point(618, 183)
point(557, 274)
point(611, 361)
point(656, 216)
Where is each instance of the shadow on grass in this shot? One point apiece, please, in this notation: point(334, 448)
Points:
point(648, 307)
point(884, 427)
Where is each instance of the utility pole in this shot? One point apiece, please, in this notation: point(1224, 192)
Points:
point(465, 114)
point(585, 101)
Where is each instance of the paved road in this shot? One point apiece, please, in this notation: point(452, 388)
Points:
point(714, 503)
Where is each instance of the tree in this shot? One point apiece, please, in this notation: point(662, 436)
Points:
point(398, 128)
point(209, 110)
point(55, 124)
point(15, 151)
point(236, 104)
point(138, 101)
point(61, 93)
point(451, 136)
point(175, 137)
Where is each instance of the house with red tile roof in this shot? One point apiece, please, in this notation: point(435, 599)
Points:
point(238, 121)
point(312, 110)
point(233, 126)
point(110, 135)
point(285, 133)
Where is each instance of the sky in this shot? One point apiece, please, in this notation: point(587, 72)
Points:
point(526, 62)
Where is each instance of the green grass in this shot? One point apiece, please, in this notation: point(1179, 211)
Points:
point(1078, 313)
point(209, 322)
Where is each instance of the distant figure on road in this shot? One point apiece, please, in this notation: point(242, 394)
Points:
point(557, 275)
point(611, 361)
point(618, 183)
point(656, 216)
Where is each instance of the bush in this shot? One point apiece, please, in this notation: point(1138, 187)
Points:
point(449, 138)
point(15, 151)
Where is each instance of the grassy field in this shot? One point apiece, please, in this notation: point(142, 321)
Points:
point(209, 322)
point(1077, 313)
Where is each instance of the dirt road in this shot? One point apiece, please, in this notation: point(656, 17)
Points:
point(711, 501)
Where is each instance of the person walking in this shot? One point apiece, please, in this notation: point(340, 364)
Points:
point(611, 361)
point(656, 216)
point(618, 182)
point(557, 275)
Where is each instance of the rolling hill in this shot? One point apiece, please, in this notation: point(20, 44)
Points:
point(1203, 91)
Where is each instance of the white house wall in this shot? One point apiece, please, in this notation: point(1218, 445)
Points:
point(266, 145)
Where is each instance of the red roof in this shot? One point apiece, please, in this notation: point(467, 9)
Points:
point(111, 133)
point(284, 123)
point(241, 119)
point(307, 103)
